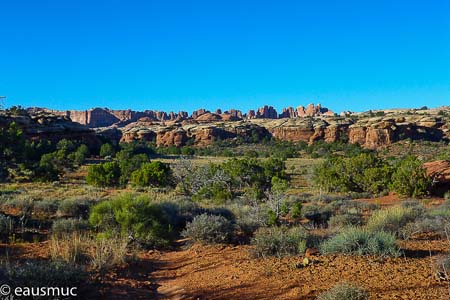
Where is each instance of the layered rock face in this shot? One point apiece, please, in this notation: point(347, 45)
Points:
point(309, 124)
point(52, 127)
point(368, 132)
point(439, 171)
point(104, 117)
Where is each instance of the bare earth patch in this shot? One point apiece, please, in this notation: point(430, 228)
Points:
point(219, 272)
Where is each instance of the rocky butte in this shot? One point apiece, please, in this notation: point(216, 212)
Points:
point(308, 124)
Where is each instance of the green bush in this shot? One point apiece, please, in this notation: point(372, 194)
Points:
point(48, 169)
point(79, 156)
point(216, 191)
point(136, 217)
point(361, 173)
point(391, 219)
point(296, 210)
point(410, 178)
point(344, 291)
point(154, 173)
point(281, 241)
point(63, 227)
point(103, 175)
point(106, 150)
point(209, 229)
point(361, 241)
point(129, 162)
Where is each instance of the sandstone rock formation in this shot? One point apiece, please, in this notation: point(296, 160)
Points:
point(310, 124)
point(104, 117)
point(42, 125)
point(438, 170)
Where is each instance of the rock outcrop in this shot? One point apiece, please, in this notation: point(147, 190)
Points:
point(439, 171)
point(52, 127)
point(307, 124)
point(104, 117)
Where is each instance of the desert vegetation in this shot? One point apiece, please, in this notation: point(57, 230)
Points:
point(91, 213)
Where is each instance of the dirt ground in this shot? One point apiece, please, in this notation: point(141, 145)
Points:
point(230, 272)
point(219, 272)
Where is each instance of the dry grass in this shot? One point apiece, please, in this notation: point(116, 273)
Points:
point(100, 254)
point(108, 253)
point(69, 248)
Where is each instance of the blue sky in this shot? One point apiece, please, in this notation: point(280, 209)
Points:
point(183, 55)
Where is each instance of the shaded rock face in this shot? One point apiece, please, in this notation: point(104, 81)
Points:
point(439, 171)
point(177, 137)
point(51, 127)
point(102, 117)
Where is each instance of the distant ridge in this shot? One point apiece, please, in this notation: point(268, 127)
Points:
point(104, 117)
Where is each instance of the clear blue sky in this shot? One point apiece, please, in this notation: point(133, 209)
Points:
point(183, 55)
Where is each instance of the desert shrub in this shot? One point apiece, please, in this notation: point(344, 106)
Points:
point(364, 172)
point(344, 220)
point(216, 191)
point(391, 219)
point(296, 210)
point(128, 163)
point(327, 198)
point(415, 205)
point(209, 229)
point(248, 215)
point(442, 266)
point(49, 168)
point(45, 207)
point(6, 226)
point(281, 241)
point(248, 222)
point(154, 173)
point(317, 215)
point(344, 291)
point(103, 175)
point(351, 207)
point(361, 241)
point(136, 217)
point(251, 172)
point(74, 207)
point(44, 273)
point(106, 150)
point(427, 224)
point(410, 178)
point(79, 156)
point(442, 211)
point(23, 204)
point(62, 227)
point(180, 211)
